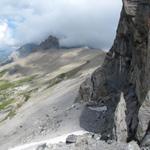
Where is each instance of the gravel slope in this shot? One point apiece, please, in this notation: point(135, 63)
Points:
point(51, 112)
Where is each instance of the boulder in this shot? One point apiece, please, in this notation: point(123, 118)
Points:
point(71, 139)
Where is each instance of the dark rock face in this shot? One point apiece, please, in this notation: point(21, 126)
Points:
point(126, 70)
point(27, 49)
point(50, 42)
point(71, 139)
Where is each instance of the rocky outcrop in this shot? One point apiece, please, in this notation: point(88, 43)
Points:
point(120, 121)
point(50, 42)
point(126, 70)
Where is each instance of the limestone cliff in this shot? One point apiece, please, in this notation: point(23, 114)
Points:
point(126, 70)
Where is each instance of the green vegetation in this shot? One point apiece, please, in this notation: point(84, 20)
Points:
point(54, 81)
point(64, 76)
point(5, 84)
point(4, 104)
point(13, 110)
point(26, 95)
point(58, 79)
point(3, 72)
point(8, 94)
point(12, 96)
point(24, 80)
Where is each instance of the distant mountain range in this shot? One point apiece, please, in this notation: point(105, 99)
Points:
point(6, 55)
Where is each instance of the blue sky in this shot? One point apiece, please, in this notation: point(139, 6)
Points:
point(75, 22)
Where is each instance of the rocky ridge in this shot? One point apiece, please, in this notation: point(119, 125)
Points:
point(50, 43)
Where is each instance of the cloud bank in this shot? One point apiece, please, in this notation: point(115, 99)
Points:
point(76, 22)
point(5, 35)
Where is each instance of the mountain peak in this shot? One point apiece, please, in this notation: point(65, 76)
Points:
point(50, 42)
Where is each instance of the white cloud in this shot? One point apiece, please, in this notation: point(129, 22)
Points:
point(3, 31)
point(75, 22)
point(6, 38)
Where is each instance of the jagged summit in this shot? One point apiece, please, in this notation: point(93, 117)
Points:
point(50, 43)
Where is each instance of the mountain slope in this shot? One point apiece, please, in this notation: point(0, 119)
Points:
point(41, 91)
point(26, 49)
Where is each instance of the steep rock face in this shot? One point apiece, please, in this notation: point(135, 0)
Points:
point(50, 42)
point(126, 70)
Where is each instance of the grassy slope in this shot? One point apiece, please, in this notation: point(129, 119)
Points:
point(41, 71)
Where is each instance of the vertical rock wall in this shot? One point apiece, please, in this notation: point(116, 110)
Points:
point(126, 70)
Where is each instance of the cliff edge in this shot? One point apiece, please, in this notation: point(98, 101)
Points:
point(122, 84)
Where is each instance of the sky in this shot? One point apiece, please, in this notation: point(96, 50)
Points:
point(90, 23)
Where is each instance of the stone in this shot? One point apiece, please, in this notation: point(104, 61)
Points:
point(87, 142)
point(144, 118)
point(133, 146)
point(96, 136)
point(42, 147)
point(71, 139)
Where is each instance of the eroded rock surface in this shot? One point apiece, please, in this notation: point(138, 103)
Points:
point(126, 70)
point(90, 142)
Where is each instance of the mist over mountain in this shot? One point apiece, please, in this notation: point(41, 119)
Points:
point(85, 22)
point(49, 43)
